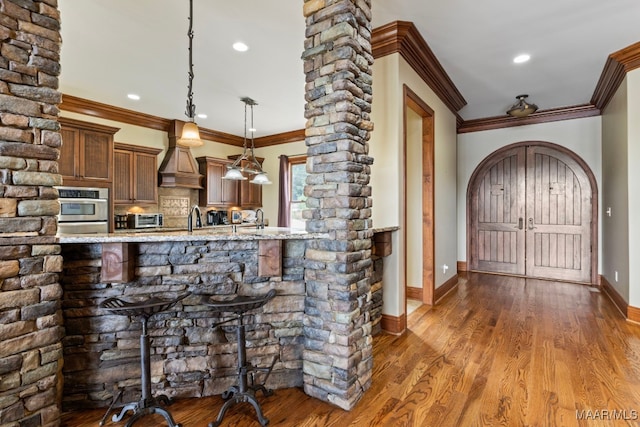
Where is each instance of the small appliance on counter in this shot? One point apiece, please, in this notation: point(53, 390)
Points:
point(144, 220)
point(215, 217)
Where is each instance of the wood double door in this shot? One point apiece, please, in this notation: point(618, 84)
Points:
point(530, 213)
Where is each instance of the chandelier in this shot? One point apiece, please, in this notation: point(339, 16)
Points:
point(247, 164)
point(190, 133)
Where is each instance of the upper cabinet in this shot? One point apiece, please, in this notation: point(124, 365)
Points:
point(86, 154)
point(135, 174)
point(250, 194)
point(217, 192)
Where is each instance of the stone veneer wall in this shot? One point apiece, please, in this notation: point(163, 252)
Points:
point(188, 357)
point(337, 62)
point(30, 316)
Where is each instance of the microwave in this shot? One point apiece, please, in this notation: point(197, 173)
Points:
point(144, 220)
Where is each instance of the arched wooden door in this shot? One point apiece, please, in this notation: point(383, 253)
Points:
point(531, 212)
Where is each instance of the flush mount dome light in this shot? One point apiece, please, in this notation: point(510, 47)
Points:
point(522, 108)
point(521, 58)
point(240, 47)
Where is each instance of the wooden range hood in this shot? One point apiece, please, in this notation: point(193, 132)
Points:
point(178, 168)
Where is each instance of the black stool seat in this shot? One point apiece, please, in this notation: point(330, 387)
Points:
point(148, 404)
point(243, 392)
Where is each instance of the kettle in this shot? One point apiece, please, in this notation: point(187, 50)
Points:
point(213, 218)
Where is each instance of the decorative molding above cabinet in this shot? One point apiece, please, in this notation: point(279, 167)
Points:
point(86, 154)
point(135, 170)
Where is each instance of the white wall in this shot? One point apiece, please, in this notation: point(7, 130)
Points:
point(414, 199)
point(582, 136)
point(615, 193)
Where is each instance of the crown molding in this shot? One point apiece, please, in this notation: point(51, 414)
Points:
point(617, 66)
point(403, 37)
point(88, 107)
point(280, 138)
point(543, 116)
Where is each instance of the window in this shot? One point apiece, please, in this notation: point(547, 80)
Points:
point(298, 202)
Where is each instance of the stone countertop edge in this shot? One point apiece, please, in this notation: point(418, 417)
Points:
point(383, 229)
point(269, 233)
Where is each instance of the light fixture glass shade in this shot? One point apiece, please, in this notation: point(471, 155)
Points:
point(522, 108)
point(190, 135)
point(235, 174)
point(261, 179)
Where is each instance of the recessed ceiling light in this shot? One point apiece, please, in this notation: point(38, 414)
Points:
point(202, 116)
point(240, 47)
point(133, 96)
point(521, 58)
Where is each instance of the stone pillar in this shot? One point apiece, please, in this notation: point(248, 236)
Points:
point(337, 62)
point(30, 293)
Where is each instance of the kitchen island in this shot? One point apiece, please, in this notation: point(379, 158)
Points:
point(189, 356)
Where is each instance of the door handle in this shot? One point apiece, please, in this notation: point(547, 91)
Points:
point(520, 224)
point(531, 226)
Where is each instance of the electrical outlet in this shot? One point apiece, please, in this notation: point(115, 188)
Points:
point(615, 275)
point(608, 211)
point(445, 267)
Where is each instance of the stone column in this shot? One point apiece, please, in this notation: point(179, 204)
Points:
point(30, 293)
point(337, 62)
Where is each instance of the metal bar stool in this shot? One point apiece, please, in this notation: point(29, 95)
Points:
point(147, 404)
point(243, 392)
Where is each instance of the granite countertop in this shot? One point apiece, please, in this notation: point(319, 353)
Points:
point(206, 233)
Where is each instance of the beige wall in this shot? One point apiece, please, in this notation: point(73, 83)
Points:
point(615, 191)
point(582, 136)
point(390, 73)
point(633, 90)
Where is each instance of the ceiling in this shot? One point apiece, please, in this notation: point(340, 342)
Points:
point(115, 47)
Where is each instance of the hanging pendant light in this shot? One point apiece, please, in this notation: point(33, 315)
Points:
point(190, 133)
point(247, 164)
point(522, 108)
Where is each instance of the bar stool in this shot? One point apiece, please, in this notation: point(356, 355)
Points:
point(148, 404)
point(243, 392)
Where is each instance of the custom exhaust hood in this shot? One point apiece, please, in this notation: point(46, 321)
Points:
point(178, 168)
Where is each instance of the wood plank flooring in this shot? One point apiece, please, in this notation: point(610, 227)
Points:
point(497, 351)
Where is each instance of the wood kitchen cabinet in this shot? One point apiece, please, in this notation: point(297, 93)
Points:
point(135, 174)
point(217, 192)
point(86, 154)
point(250, 195)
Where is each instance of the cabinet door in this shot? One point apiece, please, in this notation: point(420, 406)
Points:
point(217, 192)
point(69, 154)
point(96, 151)
point(250, 194)
point(145, 182)
point(122, 171)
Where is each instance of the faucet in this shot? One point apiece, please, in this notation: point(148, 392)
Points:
point(190, 219)
point(259, 219)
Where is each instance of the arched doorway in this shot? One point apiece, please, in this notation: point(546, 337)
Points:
point(532, 211)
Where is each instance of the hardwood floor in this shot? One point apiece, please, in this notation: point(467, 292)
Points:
point(497, 351)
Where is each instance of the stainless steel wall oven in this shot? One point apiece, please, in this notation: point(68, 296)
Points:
point(83, 210)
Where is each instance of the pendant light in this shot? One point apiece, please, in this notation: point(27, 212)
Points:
point(247, 164)
point(190, 133)
point(522, 108)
